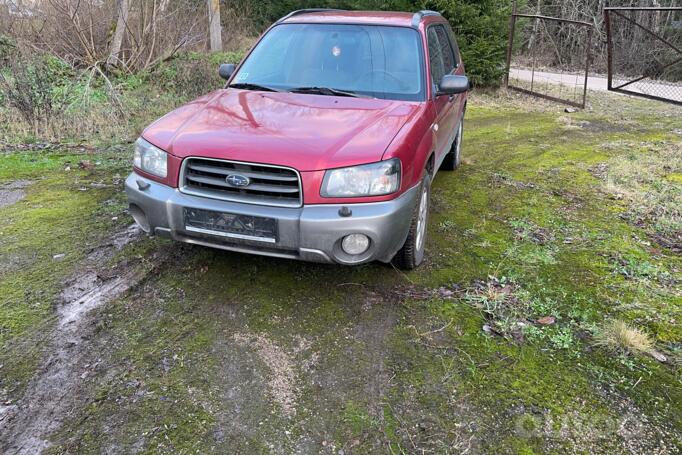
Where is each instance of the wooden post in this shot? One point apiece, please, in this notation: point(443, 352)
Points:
point(214, 25)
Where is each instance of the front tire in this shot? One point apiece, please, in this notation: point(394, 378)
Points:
point(454, 157)
point(412, 252)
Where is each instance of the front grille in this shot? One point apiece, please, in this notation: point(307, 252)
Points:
point(267, 185)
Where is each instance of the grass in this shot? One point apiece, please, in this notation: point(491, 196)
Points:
point(617, 336)
point(493, 346)
point(647, 179)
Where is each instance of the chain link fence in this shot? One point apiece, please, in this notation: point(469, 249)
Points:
point(549, 57)
point(645, 52)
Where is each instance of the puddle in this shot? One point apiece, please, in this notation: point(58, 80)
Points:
point(13, 192)
point(118, 241)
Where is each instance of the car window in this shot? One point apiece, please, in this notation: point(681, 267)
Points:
point(449, 62)
point(435, 56)
point(455, 47)
point(371, 60)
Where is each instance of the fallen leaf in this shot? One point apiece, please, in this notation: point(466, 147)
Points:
point(658, 356)
point(85, 164)
point(547, 320)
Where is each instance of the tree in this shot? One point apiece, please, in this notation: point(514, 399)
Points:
point(214, 25)
point(122, 11)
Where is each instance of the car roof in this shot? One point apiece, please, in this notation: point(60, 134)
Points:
point(355, 17)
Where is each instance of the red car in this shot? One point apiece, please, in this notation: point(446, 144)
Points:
point(321, 146)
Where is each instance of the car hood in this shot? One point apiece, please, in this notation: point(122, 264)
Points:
point(303, 131)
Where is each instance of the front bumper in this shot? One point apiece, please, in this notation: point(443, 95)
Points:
point(309, 233)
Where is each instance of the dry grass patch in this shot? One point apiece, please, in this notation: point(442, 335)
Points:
point(616, 335)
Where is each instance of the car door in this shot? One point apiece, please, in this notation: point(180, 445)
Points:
point(442, 61)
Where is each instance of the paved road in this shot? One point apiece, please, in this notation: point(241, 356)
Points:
point(596, 83)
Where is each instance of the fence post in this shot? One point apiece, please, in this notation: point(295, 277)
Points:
point(588, 58)
point(512, 26)
point(609, 50)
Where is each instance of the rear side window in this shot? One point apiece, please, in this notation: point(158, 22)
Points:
point(455, 48)
point(435, 57)
point(449, 61)
point(441, 54)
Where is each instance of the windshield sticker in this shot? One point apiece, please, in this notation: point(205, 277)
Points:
point(336, 51)
point(242, 76)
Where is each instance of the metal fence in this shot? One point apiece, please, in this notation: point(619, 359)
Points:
point(536, 64)
point(644, 48)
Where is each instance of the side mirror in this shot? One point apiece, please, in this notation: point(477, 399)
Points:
point(452, 85)
point(226, 70)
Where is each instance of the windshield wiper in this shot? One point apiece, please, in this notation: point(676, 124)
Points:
point(250, 86)
point(324, 91)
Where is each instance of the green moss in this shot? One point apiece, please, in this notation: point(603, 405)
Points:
point(24, 165)
point(164, 390)
point(43, 239)
point(378, 371)
point(546, 180)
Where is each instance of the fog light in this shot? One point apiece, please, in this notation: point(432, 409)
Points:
point(355, 244)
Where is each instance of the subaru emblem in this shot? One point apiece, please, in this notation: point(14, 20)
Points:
point(237, 180)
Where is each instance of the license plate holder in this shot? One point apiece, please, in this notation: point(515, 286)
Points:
point(231, 225)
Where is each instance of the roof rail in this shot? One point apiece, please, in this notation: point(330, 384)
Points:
point(417, 18)
point(307, 10)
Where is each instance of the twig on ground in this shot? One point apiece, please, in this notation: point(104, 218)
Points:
point(400, 272)
point(423, 334)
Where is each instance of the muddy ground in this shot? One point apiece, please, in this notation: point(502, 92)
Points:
point(117, 343)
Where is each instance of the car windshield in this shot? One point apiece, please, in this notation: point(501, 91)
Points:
point(364, 60)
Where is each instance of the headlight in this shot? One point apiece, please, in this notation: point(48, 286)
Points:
point(374, 179)
point(150, 158)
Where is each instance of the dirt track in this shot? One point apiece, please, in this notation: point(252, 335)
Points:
point(58, 387)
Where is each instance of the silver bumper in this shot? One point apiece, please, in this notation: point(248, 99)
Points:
point(310, 233)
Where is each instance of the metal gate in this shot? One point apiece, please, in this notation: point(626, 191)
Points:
point(535, 67)
point(644, 48)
